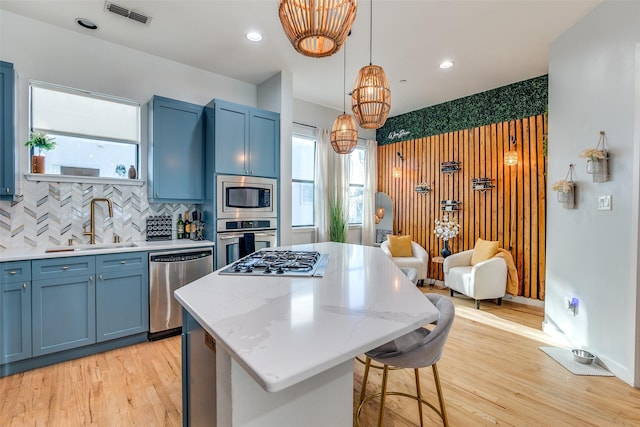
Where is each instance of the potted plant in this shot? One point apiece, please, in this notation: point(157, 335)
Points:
point(337, 222)
point(39, 141)
point(597, 160)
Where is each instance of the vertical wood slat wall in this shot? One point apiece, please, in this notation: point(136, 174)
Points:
point(513, 212)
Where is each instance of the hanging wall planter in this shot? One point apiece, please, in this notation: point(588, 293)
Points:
point(597, 160)
point(566, 190)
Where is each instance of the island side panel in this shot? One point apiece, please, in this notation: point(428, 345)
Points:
point(242, 402)
point(198, 376)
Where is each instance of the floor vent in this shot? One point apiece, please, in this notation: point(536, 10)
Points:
point(123, 11)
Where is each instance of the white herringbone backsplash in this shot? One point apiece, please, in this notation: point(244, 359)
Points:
point(49, 214)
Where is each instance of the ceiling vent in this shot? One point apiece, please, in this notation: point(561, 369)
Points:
point(123, 11)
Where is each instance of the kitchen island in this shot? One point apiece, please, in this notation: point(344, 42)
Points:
point(284, 346)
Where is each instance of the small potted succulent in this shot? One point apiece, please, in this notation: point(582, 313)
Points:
point(39, 141)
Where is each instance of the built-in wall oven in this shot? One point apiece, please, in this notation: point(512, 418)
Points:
point(246, 197)
point(239, 237)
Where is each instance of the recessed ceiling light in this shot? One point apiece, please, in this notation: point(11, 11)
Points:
point(85, 23)
point(446, 64)
point(254, 36)
point(403, 81)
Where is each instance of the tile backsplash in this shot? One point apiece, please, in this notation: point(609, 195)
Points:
point(51, 213)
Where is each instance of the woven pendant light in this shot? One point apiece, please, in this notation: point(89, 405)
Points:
point(344, 132)
point(317, 28)
point(371, 96)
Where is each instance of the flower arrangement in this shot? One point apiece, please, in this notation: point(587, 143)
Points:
point(447, 228)
point(593, 154)
point(563, 186)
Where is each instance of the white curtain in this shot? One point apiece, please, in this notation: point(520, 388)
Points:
point(370, 188)
point(331, 181)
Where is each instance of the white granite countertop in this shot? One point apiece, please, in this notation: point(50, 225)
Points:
point(283, 330)
point(21, 254)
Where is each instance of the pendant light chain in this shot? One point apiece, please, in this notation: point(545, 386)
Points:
point(371, 34)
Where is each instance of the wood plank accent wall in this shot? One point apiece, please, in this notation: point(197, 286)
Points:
point(513, 212)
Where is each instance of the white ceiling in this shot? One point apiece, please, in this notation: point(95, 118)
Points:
point(492, 43)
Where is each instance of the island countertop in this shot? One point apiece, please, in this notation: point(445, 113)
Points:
point(283, 330)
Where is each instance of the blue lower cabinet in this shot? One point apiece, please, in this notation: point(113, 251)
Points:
point(15, 321)
point(64, 314)
point(122, 304)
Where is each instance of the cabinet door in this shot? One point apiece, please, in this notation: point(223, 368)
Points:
point(122, 303)
point(64, 313)
point(264, 144)
point(15, 311)
point(231, 136)
point(176, 147)
point(7, 136)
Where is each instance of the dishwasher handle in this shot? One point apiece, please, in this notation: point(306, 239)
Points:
point(180, 256)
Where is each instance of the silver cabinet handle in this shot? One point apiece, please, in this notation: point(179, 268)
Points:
point(100, 277)
point(66, 267)
point(91, 279)
point(11, 273)
point(123, 262)
point(24, 286)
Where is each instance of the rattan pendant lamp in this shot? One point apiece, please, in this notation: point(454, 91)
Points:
point(317, 28)
point(344, 132)
point(371, 96)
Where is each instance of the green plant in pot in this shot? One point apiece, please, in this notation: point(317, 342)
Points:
point(42, 142)
point(337, 222)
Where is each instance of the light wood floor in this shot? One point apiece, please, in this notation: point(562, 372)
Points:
point(492, 373)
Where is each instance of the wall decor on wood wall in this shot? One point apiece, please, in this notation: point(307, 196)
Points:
point(566, 190)
point(512, 213)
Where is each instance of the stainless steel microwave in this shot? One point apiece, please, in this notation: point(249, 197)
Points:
point(246, 196)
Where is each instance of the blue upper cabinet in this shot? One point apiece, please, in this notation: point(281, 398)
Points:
point(246, 140)
point(7, 133)
point(176, 147)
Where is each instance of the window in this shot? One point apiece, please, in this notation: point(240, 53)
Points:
point(356, 185)
point(95, 135)
point(303, 159)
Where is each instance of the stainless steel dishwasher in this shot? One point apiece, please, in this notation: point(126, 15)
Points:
point(167, 272)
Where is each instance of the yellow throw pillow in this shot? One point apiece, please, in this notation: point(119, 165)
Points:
point(400, 246)
point(483, 250)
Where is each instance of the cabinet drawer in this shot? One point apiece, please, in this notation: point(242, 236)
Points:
point(63, 267)
point(121, 262)
point(15, 271)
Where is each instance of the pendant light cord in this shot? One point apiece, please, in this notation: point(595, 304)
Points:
point(371, 33)
point(344, 80)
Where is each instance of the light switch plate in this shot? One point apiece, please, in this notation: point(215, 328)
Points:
point(604, 203)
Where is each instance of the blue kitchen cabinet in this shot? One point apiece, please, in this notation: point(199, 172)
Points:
point(176, 151)
point(246, 140)
point(15, 311)
point(122, 295)
point(63, 304)
point(7, 131)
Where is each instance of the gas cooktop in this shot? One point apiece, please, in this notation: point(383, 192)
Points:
point(280, 263)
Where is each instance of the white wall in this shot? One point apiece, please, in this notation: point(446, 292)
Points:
point(51, 54)
point(591, 254)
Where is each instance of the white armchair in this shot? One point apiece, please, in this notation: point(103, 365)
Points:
point(419, 260)
point(485, 280)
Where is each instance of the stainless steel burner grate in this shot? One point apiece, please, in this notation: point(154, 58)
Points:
point(280, 262)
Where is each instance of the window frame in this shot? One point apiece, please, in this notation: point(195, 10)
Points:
point(363, 149)
point(310, 136)
point(137, 142)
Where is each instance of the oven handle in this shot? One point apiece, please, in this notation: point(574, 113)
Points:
point(237, 236)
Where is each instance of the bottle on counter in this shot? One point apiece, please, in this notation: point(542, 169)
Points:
point(187, 226)
point(194, 225)
point(180, 227)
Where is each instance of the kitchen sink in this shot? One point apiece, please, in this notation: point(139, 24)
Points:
point(94, 247)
